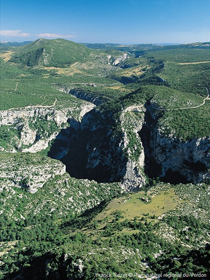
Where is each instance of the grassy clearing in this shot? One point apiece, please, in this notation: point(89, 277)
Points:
point(6, 56)
point(68, 71)
point(135, 205)
point(133, 71)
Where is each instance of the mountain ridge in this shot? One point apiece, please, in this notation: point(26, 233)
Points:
point(44, 52)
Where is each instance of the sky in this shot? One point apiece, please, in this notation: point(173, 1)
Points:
point(106, 21)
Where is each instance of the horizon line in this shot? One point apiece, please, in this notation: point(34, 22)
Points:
point(108, 43)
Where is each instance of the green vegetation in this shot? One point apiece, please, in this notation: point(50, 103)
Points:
point(187, 77)
point(43, 127)
point(142, 204)
point(8, 135)
point(54, 226)
point(179, 76)
point(50, 53)
point(116, 240)
point(187, 124)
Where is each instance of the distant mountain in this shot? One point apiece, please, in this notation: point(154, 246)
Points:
point(121, 47)
point(55, 53)
point(16, 44)
point(146, 47)
point(4, 47)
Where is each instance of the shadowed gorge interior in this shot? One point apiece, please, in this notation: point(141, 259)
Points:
point(91, 153)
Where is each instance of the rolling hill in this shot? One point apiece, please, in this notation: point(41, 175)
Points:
point(55, 53)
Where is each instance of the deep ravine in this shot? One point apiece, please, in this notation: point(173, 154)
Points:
point(96, 149)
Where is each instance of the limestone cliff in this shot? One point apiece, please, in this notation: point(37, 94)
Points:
point(36, 126)
point(173, 159)
point(122, 146)
point(106, 147)
point(132, 119)
point(28, 171)
point(181, 161)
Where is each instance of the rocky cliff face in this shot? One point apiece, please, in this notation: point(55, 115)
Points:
point(106, 146)
point(94, 151)
point(28, 172)
point(87, 96)
point(122, 147)
point(172, 159)
point(36, 126)
point(132, 119)
point(83, 94)
point(181, 161)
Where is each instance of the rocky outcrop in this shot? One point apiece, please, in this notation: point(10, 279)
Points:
point(84, 94)
point(90, 97)
point(36, 126)
point(120, 59)
point(85, 108)
point(13, 116)
point(170, 158)
point(181, 161)
point(132, 119)
point(27, 135)
point(40, 145)
point(28, 172)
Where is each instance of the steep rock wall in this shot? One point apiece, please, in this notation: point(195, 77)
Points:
point(94, 151)
point(170, 158)
point(107, 149)
point(36, 126)
point(108, 146)
point(181, 161)
point(132, 119)
point(84, 94)
point(87, 96)
point(121, 148)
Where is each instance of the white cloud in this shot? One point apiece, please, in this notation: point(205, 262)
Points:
point(13, 33)
point(54, 35)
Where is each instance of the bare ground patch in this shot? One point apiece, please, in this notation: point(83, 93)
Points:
point(6, 56)
point(197, 62)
